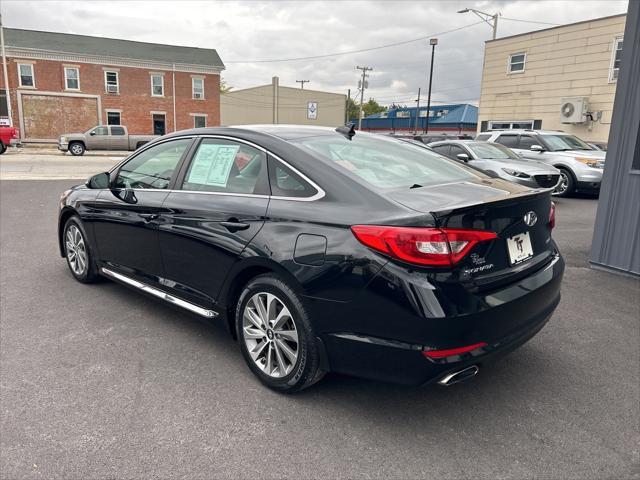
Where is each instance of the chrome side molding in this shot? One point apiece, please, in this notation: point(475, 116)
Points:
point(160, 294)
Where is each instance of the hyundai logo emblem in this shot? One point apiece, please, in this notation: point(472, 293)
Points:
point(530, 218)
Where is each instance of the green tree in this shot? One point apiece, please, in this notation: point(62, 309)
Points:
point(352, 110)
point(372, 107)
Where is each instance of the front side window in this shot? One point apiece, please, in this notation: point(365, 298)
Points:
point(100, 131)
point(197, 84)
point(385, 162)
point(111, 84)
point(225, 166)
point(615, 60)
point(153, 167)
point(516, 62)
point(491, 151)
point(526, 141)
point(157, 85)
point(510, 141)
point(558, 143)
point(25, 75)
point(71, 78)
point(113, 118)
point(457, 150)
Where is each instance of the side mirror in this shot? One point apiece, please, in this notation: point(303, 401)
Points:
point(101, 180)
point(536, 148)
point(463, 156)
point(93, 133)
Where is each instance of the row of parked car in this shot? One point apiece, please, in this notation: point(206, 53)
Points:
point(535, 158)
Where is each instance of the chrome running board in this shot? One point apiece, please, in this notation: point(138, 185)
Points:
point(160, 294)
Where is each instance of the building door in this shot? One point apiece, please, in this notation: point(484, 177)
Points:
point(159, 124)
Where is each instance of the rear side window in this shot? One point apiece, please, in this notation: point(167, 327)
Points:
point(224, 166)
point(510, 141)
point(483, 137)
point(287, 183)
point(117, 131)
point(441, 149)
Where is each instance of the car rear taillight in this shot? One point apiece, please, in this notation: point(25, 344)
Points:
point(453, 351)
point(552, 216)
point(437, 247)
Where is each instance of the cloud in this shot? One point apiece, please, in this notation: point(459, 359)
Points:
point(255, 30)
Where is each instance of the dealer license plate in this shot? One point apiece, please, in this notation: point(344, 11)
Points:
point(519, 248)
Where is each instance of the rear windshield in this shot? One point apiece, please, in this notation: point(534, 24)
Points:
point(384, 162)
point(491, 151)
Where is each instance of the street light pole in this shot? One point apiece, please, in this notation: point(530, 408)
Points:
point(302, 82)
point(433, 42)
point(491, 20)
point(417, 125)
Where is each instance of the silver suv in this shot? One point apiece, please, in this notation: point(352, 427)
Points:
point(580, 165)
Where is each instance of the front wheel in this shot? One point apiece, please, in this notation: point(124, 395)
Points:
point(566, 184)
point(77, 252)
point(275, 335)
point(76, 148)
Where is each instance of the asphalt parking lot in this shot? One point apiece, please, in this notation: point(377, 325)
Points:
point(101, 382)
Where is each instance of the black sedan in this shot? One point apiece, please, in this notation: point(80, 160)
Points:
point(324, 249)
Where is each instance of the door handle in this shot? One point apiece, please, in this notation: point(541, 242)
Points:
point(234, 226)
point(147, 217)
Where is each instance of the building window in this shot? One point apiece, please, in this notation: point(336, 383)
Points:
point(404, 114)
point(516, 62)
point(111, 83)
point(508, 125)
point(113, 118)
point(71, 78)
point(615, 60)
point(25, 75)
point(157, 85)
point(199, 121)
point(197, 86)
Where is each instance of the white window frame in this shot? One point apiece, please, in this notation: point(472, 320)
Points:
point(524, 63)
point(161, 84)
point(106, 89)
point(193, 90)
point(403, 114)
point(107, 112)
point(612, 69)
point(66, 78)
point(199, 115)
point(33, 75)
point(510, 122)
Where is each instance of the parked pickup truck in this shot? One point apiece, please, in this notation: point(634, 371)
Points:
point(102, 137)
point(8, 136)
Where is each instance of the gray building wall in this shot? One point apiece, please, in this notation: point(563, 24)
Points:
point(616, 237)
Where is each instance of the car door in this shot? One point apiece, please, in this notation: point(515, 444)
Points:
point(98, 138)
point(118, 140)
point(125, 218)
point(218, 205)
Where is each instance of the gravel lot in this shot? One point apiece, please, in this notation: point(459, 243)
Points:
point(101, 382)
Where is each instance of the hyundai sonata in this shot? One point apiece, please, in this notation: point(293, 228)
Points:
point(324, 250)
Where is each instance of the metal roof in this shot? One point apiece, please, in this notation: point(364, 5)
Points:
point(453, 114)
point(110, 47)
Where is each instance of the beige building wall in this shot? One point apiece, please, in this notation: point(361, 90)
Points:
point(256, 106)
point(574, 60)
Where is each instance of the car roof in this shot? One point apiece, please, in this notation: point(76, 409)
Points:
point(524, 130)
point(462, 142)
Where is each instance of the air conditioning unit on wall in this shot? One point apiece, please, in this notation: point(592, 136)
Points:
point(574, 109)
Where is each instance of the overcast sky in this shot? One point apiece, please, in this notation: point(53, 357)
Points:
point(265, 30)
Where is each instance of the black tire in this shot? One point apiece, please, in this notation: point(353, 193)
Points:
point(76, 148)
point(570, 187)
point(89, 274)
point(3, 147)
point(306, 369)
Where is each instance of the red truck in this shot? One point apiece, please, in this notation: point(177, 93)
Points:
point(7, 135)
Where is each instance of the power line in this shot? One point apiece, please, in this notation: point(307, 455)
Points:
point(530, 21)
point(348, 52)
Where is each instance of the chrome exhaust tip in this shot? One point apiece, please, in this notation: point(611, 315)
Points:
point(459, 376)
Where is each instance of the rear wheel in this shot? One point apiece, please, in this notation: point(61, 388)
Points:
point(76, 148)
point(3, 147)
point(567, 185)
point(77, 252)
point(275, 335)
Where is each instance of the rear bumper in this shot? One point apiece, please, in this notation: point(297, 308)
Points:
point(388, 336)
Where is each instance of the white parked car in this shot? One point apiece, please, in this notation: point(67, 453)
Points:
point(580, 165)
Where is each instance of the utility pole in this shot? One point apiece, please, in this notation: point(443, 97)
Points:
point(346, 107)
point(415, 130)
point(302, 82)
point(433, 42)
point(363, 86)
point(491, 20)
point(5, 75)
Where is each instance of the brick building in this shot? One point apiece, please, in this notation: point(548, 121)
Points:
point(68, 83)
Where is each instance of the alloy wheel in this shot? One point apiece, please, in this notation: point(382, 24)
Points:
point(76, 149)
point(76, 250)
point(270, 334)
point(563, 184)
